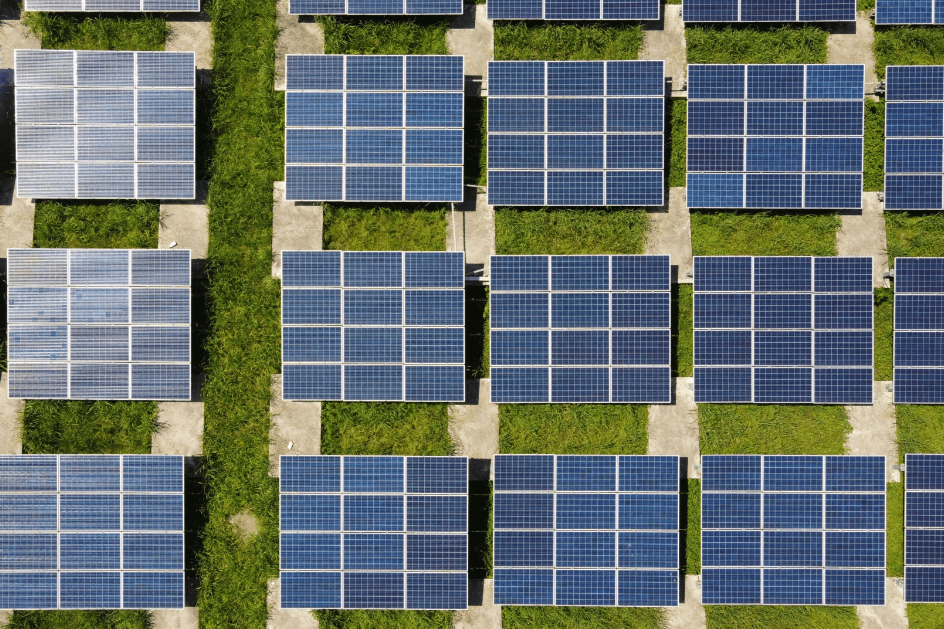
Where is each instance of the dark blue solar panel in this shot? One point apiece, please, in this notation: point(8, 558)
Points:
point(919, 326)
point(729, 586)
point(524, 587)
point(924, 528)
point(793, 473)
point(925, 471)
point(911, 12)
point(573, 10)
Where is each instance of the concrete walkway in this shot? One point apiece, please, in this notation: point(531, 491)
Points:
point(670, 233)
point(16, 218)
point(665, 40)
point(296, 37)
point(892, 615)
point(180, 427)
point(673, 428)
point(852, 43)
point(482, 612)
point(689, 614)
point(186, 223)
point(863, 234)
point(471, 228)
point(472, 36)
point(873, 429)
point(294, 427)
point(473, 427)
point(191, 32)
point(11, 420)
point(295, 227)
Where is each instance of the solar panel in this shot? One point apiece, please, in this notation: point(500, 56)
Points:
point(105, 124)
point(775, 136)
point(761, 11)
point(374, 532)
point(98, 324)
point(793, 530)
point(914, 136)
point(373, 326)
point(91, 531)
point(924, 528)
point(578, 133)
point(573, 10)
point(586, 530)
point(375, 7)
point(783, 330)
point(919, 330)
point(105, 6)
point(374, 128)
point(580, 329)
point(909, 12)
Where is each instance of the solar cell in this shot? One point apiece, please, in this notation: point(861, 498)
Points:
point(783, 330)
point(374, 532)
point(919, 330)
point(793, 530)
point(924, 528)
point(775, 136)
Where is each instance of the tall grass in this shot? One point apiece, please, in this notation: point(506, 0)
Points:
point(520, 231)
point(772, 429)
point(764, 233)
point(907, 46)
point(386, 36)
point(579, 41)
point(756, 44)
point(110, 31)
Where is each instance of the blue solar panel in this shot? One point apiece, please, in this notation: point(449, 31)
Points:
point(586, 530)
point(374, 127)
point(757, 11)
point(573, 10)
point(99, 324)
point(375, 7)
point(793, 530)
point(914, 132)
point(924, 528)
point(110, 519)
point(783, 330)
point(750, 144)
point(400, 336)
point(562, 134)
point(374, 532)
point(919, 330)
point(580, 329)
point(908, 12)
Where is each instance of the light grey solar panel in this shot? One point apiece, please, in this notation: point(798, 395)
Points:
point(45, 144)
point(69, 313)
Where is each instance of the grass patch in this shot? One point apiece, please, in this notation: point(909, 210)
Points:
point(691, 559)
point(476, 141)
point(731, 232)
point(914, 234)
point(907, 46)
point(895, 533)
point(389, 36)
point(573, 428)
point(80, 620)
point(874, 166)
point(476, 332)
point(112, 31)
point(920, 429)
point(755, 44)
point(79, 427)
point(772, 429)
point(583, 617)
point(884, 333)
point(676, 132)
point(865, 5)
point(682, 330)
point(924, 616)
point(563, 41)
point(103, 224)
point(780, 617)
point(371, 619)
point(366, 228)
point(399, 428)
point(546, 231)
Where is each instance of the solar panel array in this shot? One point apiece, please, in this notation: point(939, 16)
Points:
point(573, 10)
point(98, 324)
point(374, 128)
point(775, 136)
point(580, 329)
point(575, 132)
point(374, 532)
point(783, 330)
point(919, 331)
point(586, 530)
point(793, 530)
point(909, 12)
point(914, 138)
point(764, 11)
point(924, 528)
point(373, 326)
point(375, 7)
point(105, 124)
point(113, 5)
point(91, 531)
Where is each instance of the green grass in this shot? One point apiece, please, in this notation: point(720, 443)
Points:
point(105, 224)
point(755, 44)
point(369, 619)
point(874, 173)
point(476, 332)
point(920, 429)
point(573, 428)
point(914, 234)
point(74, 427)
point(401, 428)
point(895, 531)
point(361, 227)
point(80, 620)
point(907, 45)
point(561, 231)
point(884, 333)
point(676, 120)
point(390, 36)
point(543, 41)
point(682, 331)
point(865, 6)
point(778, 617)
point(731, 232)
point(129, 31)
point(772, 429)
point(581, 618)
point(924, 616)
point(691, 560)
point(476, 141)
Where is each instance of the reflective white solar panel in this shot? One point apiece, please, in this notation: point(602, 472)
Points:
point(373, 326)
point(98, 324)
point(924, 528)
point(919, 330)
point(91, 531)
point(793, 530)
point(580, 329)
point(575, 133)
point(374, 532)
point(104, 6)
point(105, 124)
point(775, 136)
point(586, 530)
point(783, 330)
point(374, 128)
